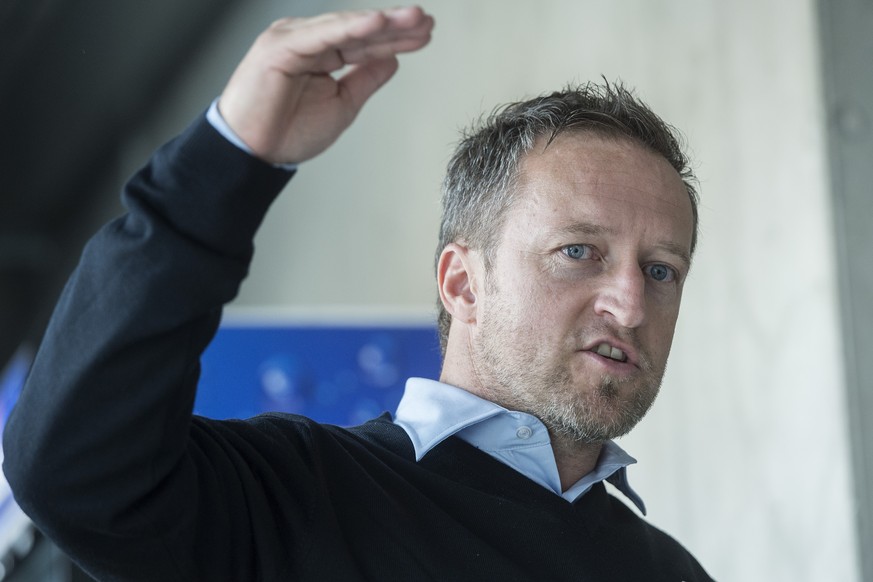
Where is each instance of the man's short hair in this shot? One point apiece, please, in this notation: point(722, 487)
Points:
point(481, 177)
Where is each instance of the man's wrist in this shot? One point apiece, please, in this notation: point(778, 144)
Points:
point(214, 117)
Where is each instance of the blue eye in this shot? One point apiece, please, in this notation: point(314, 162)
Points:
point(661, 273)
point(578, 251)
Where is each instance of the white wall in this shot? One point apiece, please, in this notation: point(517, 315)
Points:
point(745, 457)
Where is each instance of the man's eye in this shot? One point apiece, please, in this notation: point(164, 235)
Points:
point(661, 273)
point(578, 251)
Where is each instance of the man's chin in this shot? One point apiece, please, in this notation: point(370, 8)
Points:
point(604, 412)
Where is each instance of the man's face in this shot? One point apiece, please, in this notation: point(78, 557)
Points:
point(578, 310)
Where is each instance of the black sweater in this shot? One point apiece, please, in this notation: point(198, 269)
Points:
point(103, 452)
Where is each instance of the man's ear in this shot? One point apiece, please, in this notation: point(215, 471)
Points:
point(457, 278)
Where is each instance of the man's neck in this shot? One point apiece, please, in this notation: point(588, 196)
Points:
point(573, 458)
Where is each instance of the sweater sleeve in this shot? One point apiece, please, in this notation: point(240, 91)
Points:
point(100, 450)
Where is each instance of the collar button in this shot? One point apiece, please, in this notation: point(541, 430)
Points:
point(524, 432)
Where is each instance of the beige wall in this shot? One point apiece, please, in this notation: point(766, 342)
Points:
point(745, 457)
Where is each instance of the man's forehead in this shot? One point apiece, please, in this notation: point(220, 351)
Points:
point(601, 182)
point(600, 162)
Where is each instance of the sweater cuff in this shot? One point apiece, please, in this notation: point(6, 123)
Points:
point(210, 190)
point(216, 119)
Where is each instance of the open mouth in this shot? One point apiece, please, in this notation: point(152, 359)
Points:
point(607, 351)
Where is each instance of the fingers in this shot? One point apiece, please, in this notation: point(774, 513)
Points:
point(283, 100)
point(327, 43)
point(376, 51)
point(359, 83)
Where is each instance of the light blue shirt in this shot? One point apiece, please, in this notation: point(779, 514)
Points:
point(431, 412)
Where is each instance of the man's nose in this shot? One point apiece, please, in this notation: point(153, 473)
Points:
point(622, 295)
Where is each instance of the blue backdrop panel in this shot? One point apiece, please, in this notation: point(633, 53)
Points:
point(337, 375)
point(13, 523)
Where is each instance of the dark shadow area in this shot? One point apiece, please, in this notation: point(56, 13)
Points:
point(76, 78)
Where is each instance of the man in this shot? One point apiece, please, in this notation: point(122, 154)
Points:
point(566, 238)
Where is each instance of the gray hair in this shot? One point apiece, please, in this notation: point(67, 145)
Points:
point(480, 180)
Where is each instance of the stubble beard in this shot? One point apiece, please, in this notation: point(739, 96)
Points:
point(525, 378)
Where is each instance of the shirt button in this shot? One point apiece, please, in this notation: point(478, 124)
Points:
point(524, 432)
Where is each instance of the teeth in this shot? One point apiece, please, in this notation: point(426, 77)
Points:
point(608, 351)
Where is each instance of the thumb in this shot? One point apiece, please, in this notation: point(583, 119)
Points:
point(362, 80)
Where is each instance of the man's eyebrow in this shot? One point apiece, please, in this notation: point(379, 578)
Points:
point(679, 251)
point(586, 228)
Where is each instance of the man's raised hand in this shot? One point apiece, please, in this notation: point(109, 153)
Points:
point(283, 100)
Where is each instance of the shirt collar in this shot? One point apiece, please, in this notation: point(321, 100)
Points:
point(431, 412)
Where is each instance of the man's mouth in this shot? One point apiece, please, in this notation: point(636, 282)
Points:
point(608, 351)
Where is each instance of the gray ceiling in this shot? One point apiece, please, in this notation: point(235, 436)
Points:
point(75, 78)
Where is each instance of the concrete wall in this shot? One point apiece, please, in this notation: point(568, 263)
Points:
point(745, 456)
